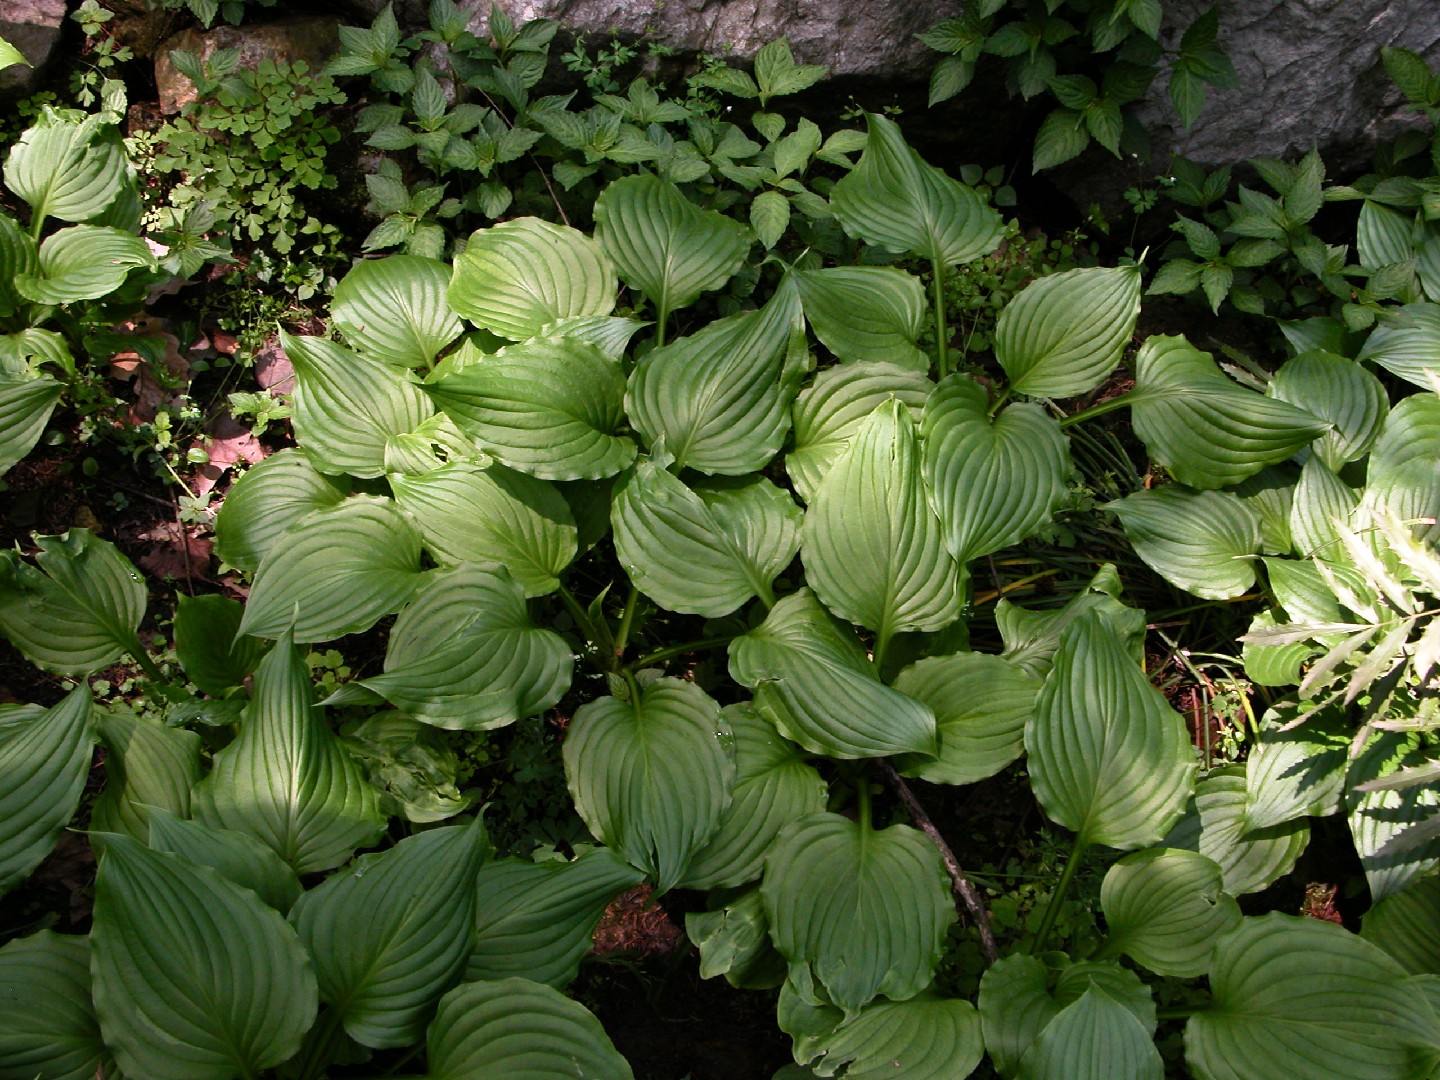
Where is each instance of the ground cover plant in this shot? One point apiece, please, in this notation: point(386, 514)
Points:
point(710, 479)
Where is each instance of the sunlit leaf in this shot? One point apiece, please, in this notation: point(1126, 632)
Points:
point(267, 500)
point(1164, 908)
point(67, 168)
point(1215, 825)
point(1203, 541)
point(84, 262)
point(1380, 818)
point(1341, 392)
point(147, 766)
point(869, 313)
point(394, 309)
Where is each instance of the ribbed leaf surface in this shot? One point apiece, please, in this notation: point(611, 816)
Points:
point(515, 1029)
point(1164, 908)
point(1296, 771)
point(831, 409)
point(394, 310)
point(347, 407)
point(391, 933)
point(539, 918)
point(234, 855)
point(981, 704)
point(47, 1022)
point(469, 512)
point(1269, 494)
point(993, 482)
point(1340, 392)
point(1302, 997)
point(1214, 825)
point(608, 333)
point(1410, 351)
point(1402, 475)
point(1380, 819)
point(1094, 1038)
point(84, 262)
point(466, 655)
point(706, 550)
point(815, 683)
point(44, 761)
point(663, 244)
point(1205, 542)
point(925, 1038)
point(517, 277)
point(872, 545)
point(773, 787)
point(1321, 509)
point(195, 978)
point(1406, 925)
point(719, 400)
point(894, 200)
point(214, 657)
point(1208, 431)
point(69, 169)
point(651, 777)
point(550, 408)
point(285, 779)
point(25, 408)
point(1033, 637)
point(18, 256)
point(869, 313)
point(147, 765)
point(1108, 757)
point(336, 572)
point(856, 912)
point(1063, 333)
point(79, 611)
point(267, 500)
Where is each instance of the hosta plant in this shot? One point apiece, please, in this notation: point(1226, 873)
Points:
point(562, 504)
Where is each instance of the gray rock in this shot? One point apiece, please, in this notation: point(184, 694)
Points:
point(313, 39)
point(33, 27)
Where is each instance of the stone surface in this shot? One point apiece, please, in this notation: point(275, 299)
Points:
point(33, 27)
point(312, 39)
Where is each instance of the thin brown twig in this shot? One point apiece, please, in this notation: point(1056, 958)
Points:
point(960, 884)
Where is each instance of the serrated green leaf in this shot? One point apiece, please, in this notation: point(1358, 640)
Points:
point(1214, 825)
point(394, 310)
point(1062, 136)
point(25, 408)
point(1340, 392)
point(231, 992)
point(147, 766)
point(84, 262)
point(47, 1022)
point(651, 776)
point(1063, 333)
point(869, 313)
point(272, 496)
point(1164, 908)
point(64, 168)
point(285, 779)
point(208, 644)
point(1202, 541)
point(1108, 757)
point(235, 855)
point(779, 75)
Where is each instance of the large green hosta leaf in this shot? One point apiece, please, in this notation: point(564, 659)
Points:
point(1339, 391)
point(25, 408)
point(993, 481)
point(1303, 997)
point(651, 776)
point(1108, 757)
point(550, 408)
point(465, 654)
point(664, 245)
point(1406, 925)
point(519, 276)
point(872, 545)
point(394, 310)
point(1033, 637)
point(391, 933)
point(704, 550)
point(773, 787)
point(79, 611)
point(1215, 825)
point(65, 168)
point(1410, 347)
point(1207, 430)
point(285, 779)
point(814, 682)
point(44, 761)
point(1205, 542)
point(831, 409)
point(195, 978)
point(235, 855)
point(147, 766)
point(1296, 771)
point(1063, 333)
point(1320, 512)
point(896, 201)
point(1402, 475)
point(47, 1022)
point(336, 572)
point(1093, 1038)
point(348, 408)
point(734, 941)
point(719, 400)
point(1379, 819)
point(925, 1038)
point(981, 705)
point(856, 912)
point(84, 262)
point(539, 918)
point(18, 256)
point(469, 512)
point(515, 1029)
point(1164, 908)
point(267, 500)
point(215, 656)
point(869, 313)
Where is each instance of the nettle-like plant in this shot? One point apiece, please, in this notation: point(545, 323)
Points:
point(484, 455)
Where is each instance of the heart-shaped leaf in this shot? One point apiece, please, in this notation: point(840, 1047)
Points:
point(235, 855)
point(1340, 392)
point(1164, 908)
point(927, 1038)
point(84, 262)
point(44, 761)
point(67, 168)
point(869, 313)
point(390, 934)
point(267, 500)
point(856, 912)
point(25, 408)
point(1408, 348)
point(1208, 431)
point(394, 310)
point(896, 201)
point(285, 779)
point(550, 408)
point(49, 1027)
point(1093, 1038)
point(539, 918)
point(1406, 925)
point(651, 776)
point(1205, 542)
point(993, 481)
point(872, 545)
point(1108, 757)
point(1214, 825)
point(469, 512)
point(813, 681)
point(147, 766)
point(705, 550)
point(230, 992)
point(519, 276)
point(1063, 333)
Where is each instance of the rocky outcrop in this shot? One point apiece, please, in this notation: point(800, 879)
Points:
point(33, 27)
